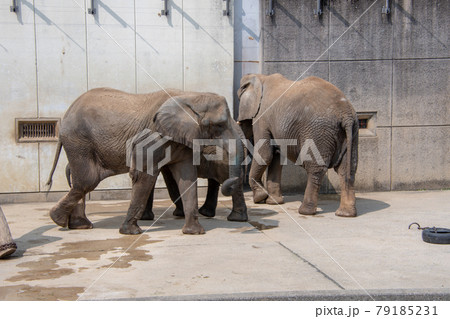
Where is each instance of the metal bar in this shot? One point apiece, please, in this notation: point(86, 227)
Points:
point(386, 8)
point(13, 7)
point(270, 12)
point(319, 11)
point(165, 11)
point(226, 12)
point(92, 10)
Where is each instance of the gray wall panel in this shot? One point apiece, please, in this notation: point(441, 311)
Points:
point(367, 85)
point(359, 36)
point(421, 28)
point(421, 92)
point(294, 33)
point(420, 157)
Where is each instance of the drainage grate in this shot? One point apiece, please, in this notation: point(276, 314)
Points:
point(37, 130)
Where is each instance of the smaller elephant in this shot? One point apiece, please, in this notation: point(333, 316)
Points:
point(107, 132)
point(7, 245)
point(307, 115)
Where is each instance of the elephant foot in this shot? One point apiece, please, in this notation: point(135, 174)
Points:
point(194, 228)
point(208, 212)
point(259, 195)
point(79, 223)
point(178, 213)
point(148, 215)
point(59, 218)
point(346, 212)
point(130, 229)
point(236, 216)
point(306, 209)
point(275, 200)
point(7, 249)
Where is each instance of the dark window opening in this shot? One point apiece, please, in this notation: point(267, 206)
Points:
point(363, 123)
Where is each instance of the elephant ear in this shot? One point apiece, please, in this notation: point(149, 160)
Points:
point(250, 95)
point(192, 116)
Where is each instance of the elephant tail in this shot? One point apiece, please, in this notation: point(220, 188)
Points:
point(351, 132)
point(55, 162)
point(68, 175)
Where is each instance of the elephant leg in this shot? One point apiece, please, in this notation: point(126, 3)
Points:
point(174, 192)
point(259, 165)
point(239, 211)
point(60, 213)
point(347, 207)
point(86, 174)
point(309, 204)
point(77, 218)
point(209, 207)
point(186, 176)
point(274, 181)
point(140, 192)
point(148, 211)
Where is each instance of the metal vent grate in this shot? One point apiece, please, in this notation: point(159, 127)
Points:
point(37, 130)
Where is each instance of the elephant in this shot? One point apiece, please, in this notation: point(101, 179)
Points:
point(7, 244)
point(216, 173)
point(106, 132)
point(315, 115)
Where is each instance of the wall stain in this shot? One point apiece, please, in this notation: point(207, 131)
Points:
point(47, 267)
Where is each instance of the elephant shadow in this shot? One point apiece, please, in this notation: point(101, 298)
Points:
point(329, 203)
point(33, 239)
point(169, 222)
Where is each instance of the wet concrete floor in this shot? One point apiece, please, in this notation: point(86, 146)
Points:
point(278, 251)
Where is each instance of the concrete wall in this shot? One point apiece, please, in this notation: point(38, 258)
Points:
point(395, 66)
point(52, 51)
point(247, 41)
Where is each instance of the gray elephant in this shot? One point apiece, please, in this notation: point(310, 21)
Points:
point(215, 171)
point(102, 124)
point(316, 116)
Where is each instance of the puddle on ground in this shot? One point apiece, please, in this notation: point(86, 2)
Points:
point(33, 293)
point(260, 226)
point(47, 266)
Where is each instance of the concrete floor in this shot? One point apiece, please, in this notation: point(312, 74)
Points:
point(278, 254)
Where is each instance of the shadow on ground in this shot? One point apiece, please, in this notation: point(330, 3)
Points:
point(170, 222)
point(33, 239)
point(329, 203)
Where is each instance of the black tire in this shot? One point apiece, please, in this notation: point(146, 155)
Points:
point(436, 235)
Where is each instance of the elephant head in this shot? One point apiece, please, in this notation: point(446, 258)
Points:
point(194, 116)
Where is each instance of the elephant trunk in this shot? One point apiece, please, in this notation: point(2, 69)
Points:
point(236, 157)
